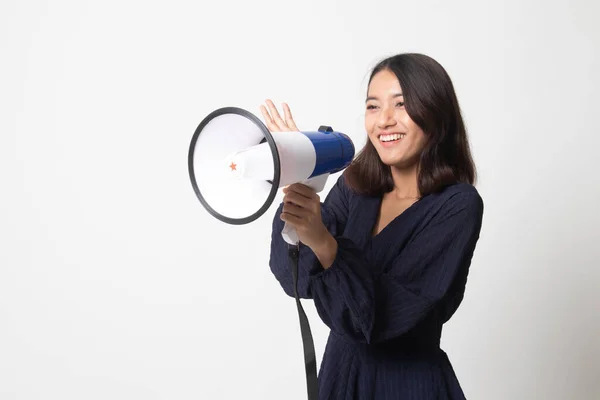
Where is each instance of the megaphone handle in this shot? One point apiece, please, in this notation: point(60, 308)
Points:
point(317, 184)
point(290, 235)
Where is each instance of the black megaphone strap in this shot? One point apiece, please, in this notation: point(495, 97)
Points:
point(310, 360)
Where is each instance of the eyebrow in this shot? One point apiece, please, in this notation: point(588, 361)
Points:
point(375, 98)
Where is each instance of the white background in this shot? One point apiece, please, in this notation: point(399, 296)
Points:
point(115, 283)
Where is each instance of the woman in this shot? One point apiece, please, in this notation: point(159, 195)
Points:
point(385, 257)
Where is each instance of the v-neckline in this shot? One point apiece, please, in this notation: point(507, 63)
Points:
point(378, 201)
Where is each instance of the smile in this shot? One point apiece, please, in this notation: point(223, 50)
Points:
point(391, 137)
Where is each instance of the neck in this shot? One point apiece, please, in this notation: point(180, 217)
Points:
point(405, 182)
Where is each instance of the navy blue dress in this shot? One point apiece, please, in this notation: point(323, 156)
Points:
point(386, 297)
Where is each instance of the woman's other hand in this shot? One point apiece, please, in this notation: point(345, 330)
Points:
point(274, 121)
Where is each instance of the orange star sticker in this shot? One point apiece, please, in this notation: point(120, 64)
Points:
point(233, 167)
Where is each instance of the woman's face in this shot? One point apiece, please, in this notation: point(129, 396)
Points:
point(398, 140)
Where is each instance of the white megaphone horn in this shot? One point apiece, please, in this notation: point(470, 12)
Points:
point(236, 164)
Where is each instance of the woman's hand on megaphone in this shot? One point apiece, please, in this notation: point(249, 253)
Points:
point(274, 121)
point(302, 210)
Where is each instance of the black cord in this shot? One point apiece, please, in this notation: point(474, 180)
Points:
point(310, 359)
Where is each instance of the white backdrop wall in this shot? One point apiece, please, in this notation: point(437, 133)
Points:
point(116, 283)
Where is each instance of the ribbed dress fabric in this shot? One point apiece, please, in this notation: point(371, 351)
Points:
point(387, 296)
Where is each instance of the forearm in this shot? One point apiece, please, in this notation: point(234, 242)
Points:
point(326, 250)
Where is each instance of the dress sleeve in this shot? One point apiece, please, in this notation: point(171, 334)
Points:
point(354, 302)
point(334, 212)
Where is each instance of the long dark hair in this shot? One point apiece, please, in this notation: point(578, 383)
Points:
point(431, 103)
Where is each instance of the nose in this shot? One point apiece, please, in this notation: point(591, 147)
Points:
point(386, 118)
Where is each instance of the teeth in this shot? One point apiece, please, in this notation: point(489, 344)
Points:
point(389, 138)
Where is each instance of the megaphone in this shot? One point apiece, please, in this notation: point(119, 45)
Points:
point(236, 165)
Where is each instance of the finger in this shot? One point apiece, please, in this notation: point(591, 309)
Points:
point(292, 196)
point(294, 221)
point(295, 210)
point(289, 120)
point(276, 117)
point(297, 199)
point(302, 189)
point(268, 120)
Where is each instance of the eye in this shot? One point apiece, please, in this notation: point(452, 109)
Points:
point(400, 104)
point(371, 107)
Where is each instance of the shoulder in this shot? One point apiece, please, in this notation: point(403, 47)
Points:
point(460, 198)
point(461, 193)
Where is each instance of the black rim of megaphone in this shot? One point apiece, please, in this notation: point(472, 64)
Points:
point(274, 152)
